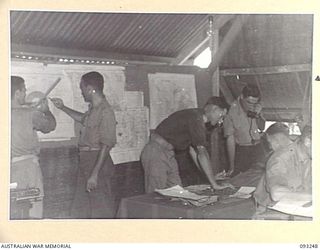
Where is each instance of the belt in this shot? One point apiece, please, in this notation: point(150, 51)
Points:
point(86, 148)
point(161, 141)
point(22, 158)
point(249, 145)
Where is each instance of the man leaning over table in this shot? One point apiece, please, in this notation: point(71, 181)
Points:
point(182, 130)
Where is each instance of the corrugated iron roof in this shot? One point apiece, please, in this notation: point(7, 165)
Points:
point(147, 34)
point(264, 40)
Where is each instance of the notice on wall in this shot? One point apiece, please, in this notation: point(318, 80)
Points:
point(170, 93)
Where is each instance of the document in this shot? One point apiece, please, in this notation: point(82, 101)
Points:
point(301, 206)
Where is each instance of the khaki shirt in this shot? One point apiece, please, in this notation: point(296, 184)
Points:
point(284, 168)
point(238, 124)
point(99, 127)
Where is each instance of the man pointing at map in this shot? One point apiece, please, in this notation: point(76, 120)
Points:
point(94, 197)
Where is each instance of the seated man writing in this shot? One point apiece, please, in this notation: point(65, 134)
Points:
point(288, 170)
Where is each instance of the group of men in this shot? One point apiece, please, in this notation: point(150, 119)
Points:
point(183, 130)
point(282, 166)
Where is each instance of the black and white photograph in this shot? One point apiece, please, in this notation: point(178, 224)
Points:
point(204, 116)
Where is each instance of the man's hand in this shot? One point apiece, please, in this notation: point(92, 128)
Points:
point(58, 103)
point(92, 182)
point(258, 108)
point(223, 186)
point(229, 173)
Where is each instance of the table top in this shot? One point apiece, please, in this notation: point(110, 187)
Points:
point(155, 206)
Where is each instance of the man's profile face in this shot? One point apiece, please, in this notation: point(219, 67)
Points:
point(215, 115)
point(272, 141)
point(21, 94)
point(85, 92)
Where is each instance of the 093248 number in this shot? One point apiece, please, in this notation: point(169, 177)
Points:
point(308, 246)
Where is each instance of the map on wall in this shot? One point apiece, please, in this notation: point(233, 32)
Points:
point(170, 93)
point(36, 80)
point(131, 114)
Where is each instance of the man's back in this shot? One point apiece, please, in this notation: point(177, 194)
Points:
point(24, 139)
point(183, 128)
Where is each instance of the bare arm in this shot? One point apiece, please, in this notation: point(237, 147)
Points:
point(205, 163)
point(261, 122)
point(194, 156)
point(75, 115)
point(93, 179)
point(231, 149)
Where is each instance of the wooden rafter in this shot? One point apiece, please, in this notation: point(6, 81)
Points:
point(266, 70)
point(227, 42)
point(199, 43)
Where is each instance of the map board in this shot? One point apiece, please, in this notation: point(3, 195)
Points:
point(132, 117)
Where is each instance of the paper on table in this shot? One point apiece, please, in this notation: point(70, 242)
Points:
point(300, 206)
point(243, 192)
point(178, 191)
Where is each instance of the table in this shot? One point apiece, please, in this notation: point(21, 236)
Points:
point(155, 206)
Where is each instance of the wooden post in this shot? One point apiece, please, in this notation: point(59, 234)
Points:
point(214, 138)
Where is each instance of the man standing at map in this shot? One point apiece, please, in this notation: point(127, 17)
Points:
point(94, 197)
point(182, 130)
point(25, 147)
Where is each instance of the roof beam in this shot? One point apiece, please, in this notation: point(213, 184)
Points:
point(54, 52)
point(198, 43)
point(266, 70)
point(226, 91)
point(227, 42)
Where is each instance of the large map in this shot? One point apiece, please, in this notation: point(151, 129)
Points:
point(170, 93)
point(132, 117)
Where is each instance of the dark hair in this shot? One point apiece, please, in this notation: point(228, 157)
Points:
point(217, 101)
point(17, 83)
point(251, 90)
point(278, 128)
point(93, 79)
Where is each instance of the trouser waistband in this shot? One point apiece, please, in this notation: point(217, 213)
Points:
point(23, 157)
point(86, 148)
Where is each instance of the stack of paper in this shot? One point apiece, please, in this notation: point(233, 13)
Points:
point(192, 198)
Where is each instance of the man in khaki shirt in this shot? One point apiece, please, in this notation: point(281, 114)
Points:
point(94, 197)
point(243, 128)
point(288, 170)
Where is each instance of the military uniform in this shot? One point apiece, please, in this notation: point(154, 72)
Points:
point(99, 128)
point(249, 151)
point(284, 168)
point(178, 132)
point(25, 148)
